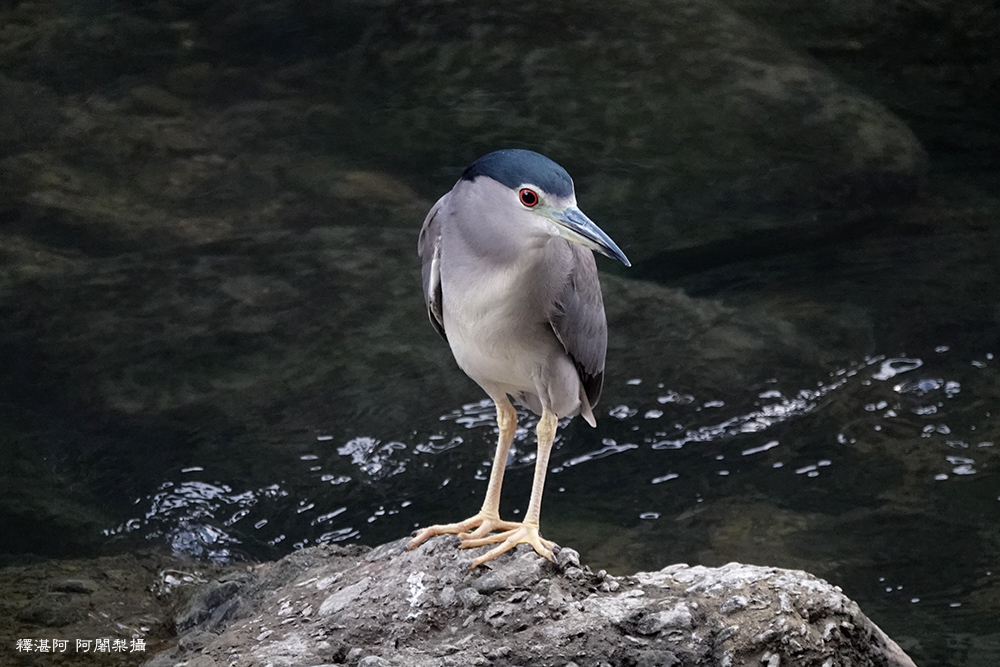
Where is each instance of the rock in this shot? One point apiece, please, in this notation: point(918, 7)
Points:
point(84, 586)
point(122, 597)
point(52, 610)
point(387, 610)
point(212, 607)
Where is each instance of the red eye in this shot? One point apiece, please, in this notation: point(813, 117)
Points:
point(528, 197)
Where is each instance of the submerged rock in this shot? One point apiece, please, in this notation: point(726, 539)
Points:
point(333, 605)
point(685, 123)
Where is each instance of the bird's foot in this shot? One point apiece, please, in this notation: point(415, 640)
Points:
point(474, 527)
point(521, 533)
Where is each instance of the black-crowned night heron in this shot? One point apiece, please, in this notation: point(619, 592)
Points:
point(511, 284)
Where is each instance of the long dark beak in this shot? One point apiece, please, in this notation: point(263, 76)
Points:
point(576, 227)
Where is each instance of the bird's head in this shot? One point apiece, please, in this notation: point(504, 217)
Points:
point(540, 192)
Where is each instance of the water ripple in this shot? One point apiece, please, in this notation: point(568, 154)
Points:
point(893, 367)
point(372, 457)
point(610, 448)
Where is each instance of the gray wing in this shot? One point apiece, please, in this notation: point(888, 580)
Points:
point(429, 249)
point(579, 322)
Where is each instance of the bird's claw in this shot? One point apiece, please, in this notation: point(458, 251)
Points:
point(520, 534)
point(475, 527)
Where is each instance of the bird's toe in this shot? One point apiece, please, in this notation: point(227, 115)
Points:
point(523, 534)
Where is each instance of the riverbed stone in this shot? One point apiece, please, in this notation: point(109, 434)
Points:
point(680, 615)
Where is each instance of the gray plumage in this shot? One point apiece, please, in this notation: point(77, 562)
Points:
point(511, 287)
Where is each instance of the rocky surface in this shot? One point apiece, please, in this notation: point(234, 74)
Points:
point(127, 598)
point(383, 608)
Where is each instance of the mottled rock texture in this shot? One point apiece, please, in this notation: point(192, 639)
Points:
point(383, 607)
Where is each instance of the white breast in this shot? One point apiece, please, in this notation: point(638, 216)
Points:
point(497, 332)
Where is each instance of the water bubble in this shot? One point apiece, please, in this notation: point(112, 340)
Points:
point(237, 515)
point(674, 397)
point(610, 447)
point(762, 448)
point(649, 515)
point(335, 479)
point(622, 412)
point(372, 457)
point(329, 515)
point(664, 478)
point(337, 535)
point(438, 445)
point(893, 367)
point(963, 465)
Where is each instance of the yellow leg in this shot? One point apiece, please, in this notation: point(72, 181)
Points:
point(527, 531)
point(488, 518)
